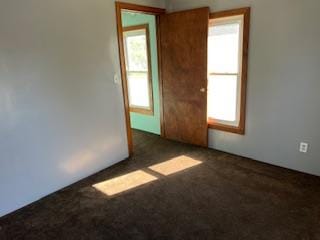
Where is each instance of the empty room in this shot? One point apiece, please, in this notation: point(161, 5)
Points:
point(159, 119)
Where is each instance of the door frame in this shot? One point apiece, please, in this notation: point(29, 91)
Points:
point(146, 10)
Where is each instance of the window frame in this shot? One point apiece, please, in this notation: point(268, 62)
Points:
point(212, 123)
point(132, 108)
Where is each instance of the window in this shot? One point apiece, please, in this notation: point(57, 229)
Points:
point(138, 68)
point(227, 69)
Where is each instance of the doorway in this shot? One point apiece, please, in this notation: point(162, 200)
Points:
point(139, 58)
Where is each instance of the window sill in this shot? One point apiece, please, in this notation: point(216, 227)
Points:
point(142, 111)
point(226, 128)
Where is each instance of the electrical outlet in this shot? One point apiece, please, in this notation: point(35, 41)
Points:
point(304, 147)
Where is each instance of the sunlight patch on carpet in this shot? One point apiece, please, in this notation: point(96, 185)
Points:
point(175, 165)
point(124, 183)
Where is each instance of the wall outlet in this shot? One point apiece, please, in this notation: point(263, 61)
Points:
point(303, 147)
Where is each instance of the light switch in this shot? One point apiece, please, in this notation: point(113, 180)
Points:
point(116, 79)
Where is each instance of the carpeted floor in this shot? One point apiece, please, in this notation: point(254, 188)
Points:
point(196, 193)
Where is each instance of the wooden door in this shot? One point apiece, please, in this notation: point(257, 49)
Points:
point(183, 42)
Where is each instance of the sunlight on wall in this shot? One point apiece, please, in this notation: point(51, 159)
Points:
point(138, 178)
point(175, 165)
point(124, 182)
point(85, 157)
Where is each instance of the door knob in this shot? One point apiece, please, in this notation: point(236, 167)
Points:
point(202, 90)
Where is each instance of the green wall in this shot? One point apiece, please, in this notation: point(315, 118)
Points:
point(140, 121)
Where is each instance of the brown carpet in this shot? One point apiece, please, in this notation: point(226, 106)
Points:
point(196, 193)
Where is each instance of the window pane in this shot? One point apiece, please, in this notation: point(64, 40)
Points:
point(222, 97)
point(138, 84)
point(136, 46)
point(223, 48)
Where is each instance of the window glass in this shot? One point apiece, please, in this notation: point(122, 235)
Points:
point(137, 59)
point(224, 70)
point(138, 85)
point(137, 64)
point(224, 48)
point(222, 89)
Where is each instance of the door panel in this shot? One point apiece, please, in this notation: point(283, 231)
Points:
point(183, 42)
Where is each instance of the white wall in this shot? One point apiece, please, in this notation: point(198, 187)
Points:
point(61, 115)
point(283, 84)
